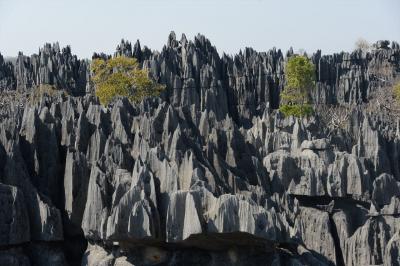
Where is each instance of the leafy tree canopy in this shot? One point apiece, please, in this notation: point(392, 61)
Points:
point(122, 76)
point(300, 79)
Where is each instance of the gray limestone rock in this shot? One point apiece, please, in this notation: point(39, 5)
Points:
point(230, 214)
point(14, 222)
point(393, 208)
point(94, 221)
point(52, 66)
point(97, 256)
point(368, 244)
point(7, 78)
point(392, 253)
point(46, 255)
point(385, 187)
point(313, 229)
point(76, 179)
point(14, 257)
point(208, 173)
point(317, 145)
point(183, 219)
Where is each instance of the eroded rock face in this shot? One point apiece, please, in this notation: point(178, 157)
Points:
point(207, 173)
point(7, 78)
point(314, 229)
point(14, 222)
point(392, 255)
point(52, 65)
point(370, 242)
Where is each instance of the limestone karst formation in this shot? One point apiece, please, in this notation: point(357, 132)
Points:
point(209, 173)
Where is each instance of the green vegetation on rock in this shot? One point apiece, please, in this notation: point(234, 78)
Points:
point(297, 110)
point(122, 76)
point(300, 79)
point(45, 89)
point(396, 92)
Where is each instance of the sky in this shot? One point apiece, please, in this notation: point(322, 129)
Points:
point(99, 25)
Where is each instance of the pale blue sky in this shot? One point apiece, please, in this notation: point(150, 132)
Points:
point(99, 25)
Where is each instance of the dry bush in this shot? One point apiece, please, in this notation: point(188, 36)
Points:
point(363, 45)
point(334, 117)
point(386, 99)
point(44, 89)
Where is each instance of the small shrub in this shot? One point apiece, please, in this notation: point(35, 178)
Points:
point(122, 76)
point(297, 110)
point(44, 89)
point(300, 80)
point(335, 118)
point(386, 99)
point(396, 92)
point(363, 45)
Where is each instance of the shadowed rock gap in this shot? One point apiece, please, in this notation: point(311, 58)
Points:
point(338, 249)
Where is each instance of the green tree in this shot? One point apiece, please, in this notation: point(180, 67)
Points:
point(300, 79)
point(122, 76)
